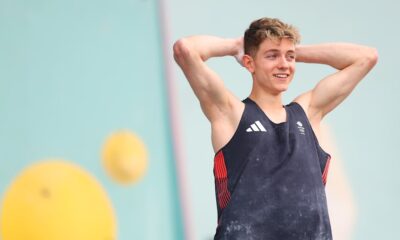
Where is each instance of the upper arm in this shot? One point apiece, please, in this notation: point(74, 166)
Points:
point(215, 99)
point(333, 89)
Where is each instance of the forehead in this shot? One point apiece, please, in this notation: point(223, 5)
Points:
point(282, 45)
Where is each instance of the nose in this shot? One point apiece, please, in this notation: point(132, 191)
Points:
point(283, 63)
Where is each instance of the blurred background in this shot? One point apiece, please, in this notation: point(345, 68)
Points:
point(73, 74)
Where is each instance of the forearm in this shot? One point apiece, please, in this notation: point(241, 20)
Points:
point(209, 46)
point(337, 55)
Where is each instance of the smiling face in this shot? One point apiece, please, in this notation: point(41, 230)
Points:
point(273, 65)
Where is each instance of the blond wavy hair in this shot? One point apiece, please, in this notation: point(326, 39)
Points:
point(268, 28)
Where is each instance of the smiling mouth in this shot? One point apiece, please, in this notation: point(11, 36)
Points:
point(281, 75)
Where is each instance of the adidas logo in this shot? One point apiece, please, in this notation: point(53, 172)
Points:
point(256, 127)
point(301, 128)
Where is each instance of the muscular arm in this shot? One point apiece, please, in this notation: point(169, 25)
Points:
point(220, 106)
point(353, 62)
point(191, 53)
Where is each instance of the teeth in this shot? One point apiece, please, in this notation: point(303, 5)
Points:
point(281, 75)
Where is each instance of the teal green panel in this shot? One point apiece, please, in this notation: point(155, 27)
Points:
point(71, 73)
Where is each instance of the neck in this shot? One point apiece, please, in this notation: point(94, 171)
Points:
point(266, 100)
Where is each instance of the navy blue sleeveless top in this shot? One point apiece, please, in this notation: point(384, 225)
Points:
point(270, 179)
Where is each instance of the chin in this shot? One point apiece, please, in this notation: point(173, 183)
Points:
point(282, 88)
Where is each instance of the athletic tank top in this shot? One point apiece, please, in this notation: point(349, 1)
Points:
point(270, 179)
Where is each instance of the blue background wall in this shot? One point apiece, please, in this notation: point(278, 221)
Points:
point(365, 126)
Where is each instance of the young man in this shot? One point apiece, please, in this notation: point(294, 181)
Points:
point(269, 169)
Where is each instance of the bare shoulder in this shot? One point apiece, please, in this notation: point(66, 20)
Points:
point(225, 125)
point(304, 101)
point(313, 116)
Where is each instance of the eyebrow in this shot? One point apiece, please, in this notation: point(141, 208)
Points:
point(277, 50)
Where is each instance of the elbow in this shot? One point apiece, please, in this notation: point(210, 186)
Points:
point(367, 59)
point(372, 56)
point(181, 50)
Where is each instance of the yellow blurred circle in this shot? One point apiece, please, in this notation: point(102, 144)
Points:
point(56, 200)
point(125, 157)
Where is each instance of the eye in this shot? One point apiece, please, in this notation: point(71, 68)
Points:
point(271, 56)
point(291, 57)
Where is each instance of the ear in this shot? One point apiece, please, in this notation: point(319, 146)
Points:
point(248, 62)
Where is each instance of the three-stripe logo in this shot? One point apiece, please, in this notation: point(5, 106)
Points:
point(256, 127)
